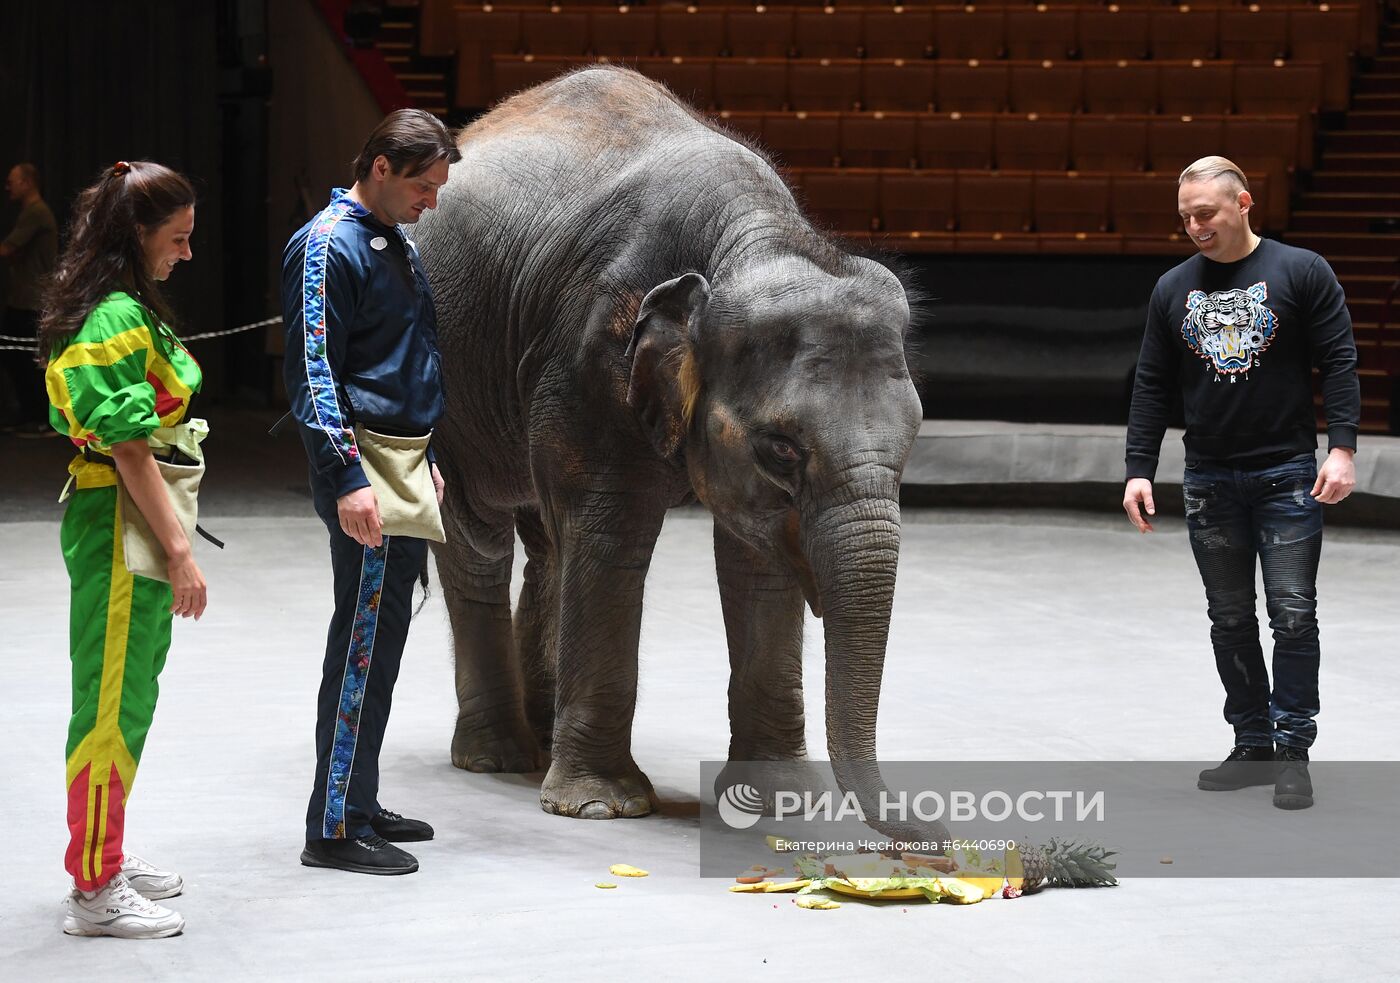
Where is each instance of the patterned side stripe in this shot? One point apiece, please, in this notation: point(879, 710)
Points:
point(352, 688)
point(320, 380)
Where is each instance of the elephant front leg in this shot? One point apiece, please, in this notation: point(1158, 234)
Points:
point(763, 616)
point(491, 734)
point(604, 550)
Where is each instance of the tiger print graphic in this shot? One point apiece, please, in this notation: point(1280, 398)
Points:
point(1230, 329)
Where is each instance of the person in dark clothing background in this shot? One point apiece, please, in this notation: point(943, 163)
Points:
point(362, 350)
point(1238, 328)
point(28, 253)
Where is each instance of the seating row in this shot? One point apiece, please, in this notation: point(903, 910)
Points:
point(1043, 243)
point(858, 200)
point(767, 84)
point(916, 32)
point(909, 30)
point(1267, 145)
point(1327, 35)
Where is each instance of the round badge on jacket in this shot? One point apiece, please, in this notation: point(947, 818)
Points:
point(378, 242)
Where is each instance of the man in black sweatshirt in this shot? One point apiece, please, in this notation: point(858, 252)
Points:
point(1239, 328)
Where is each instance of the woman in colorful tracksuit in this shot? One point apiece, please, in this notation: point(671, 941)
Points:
point(115, 374)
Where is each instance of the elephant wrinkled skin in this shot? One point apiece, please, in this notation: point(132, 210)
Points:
point(634, 313)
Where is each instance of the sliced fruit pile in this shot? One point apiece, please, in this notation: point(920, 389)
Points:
point(966, 877)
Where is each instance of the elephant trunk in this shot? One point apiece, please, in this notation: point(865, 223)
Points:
point(853, 547)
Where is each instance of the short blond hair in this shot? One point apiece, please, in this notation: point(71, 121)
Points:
point(1210, 168)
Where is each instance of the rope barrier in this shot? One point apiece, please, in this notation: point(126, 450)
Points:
point(194, 337)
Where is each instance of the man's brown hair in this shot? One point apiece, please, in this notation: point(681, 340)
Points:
point(412, 140)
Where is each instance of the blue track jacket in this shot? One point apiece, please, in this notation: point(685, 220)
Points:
point(361, 337)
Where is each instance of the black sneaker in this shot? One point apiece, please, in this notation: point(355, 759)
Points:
point(363, 855)
point(1293, 786)
point(397, 829)
point(1246, 765)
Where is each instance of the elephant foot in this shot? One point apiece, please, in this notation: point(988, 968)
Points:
point(769, 777)
point(578, 795)
point(483, 749)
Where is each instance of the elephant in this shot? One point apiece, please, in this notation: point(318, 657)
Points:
point(634, 314)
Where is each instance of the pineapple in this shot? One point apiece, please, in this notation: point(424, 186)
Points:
point(1065, 864)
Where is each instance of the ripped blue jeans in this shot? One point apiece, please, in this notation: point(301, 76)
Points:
point(1232, 517)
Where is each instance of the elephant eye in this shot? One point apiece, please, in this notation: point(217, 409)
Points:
point(780, 453)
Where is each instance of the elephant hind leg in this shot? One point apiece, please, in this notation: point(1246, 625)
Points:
point(491, 733)
point(537, 625)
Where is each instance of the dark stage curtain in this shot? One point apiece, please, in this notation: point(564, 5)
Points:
point(84, 83)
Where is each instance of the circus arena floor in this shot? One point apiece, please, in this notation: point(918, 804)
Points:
point(1018, 633)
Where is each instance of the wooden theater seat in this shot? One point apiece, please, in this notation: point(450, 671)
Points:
point(1112, 32)
point(1108, 143)
point(1253, 33)
point(1281, 87)
point(846, 199)
point(622, 32)
point(898, 32)
point(969, 32)
point(879, 139)
point(824, 83)
point(751, 83)
point(1145, 204)
point(918, 201)
point(1040, 32)
point(693, 79)
point(972, 86)
point(994, 201)
point(554, 30)
point(1175, 141)
point(759, 32)
point(899, 85)
point(1071, 202)
point(1121, 87)
point(1046, 87)
point(1184, 32)
point(690, 32)
point(1195, 87)
point(803, 139)
point(829, 32)
point(1034, 142)
point(955, 140)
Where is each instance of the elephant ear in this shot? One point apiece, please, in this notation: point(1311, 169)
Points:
point(664, 383)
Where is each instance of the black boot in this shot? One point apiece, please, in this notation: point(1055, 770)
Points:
point(362, 855)
point(1246, 765)
point(397, 829)
point(1293, 787)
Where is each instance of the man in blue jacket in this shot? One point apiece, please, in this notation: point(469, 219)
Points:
point(362, 349)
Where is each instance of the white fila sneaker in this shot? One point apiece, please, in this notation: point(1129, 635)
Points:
point(117, 910)
point(149, 880)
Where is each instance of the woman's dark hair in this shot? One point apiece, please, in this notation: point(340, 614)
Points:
point(412, 140)
point(104, 251)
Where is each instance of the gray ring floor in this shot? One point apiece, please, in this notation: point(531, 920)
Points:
point(1065, 635)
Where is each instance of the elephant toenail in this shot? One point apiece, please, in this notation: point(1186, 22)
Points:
point(636, 805)
point(596, 810)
